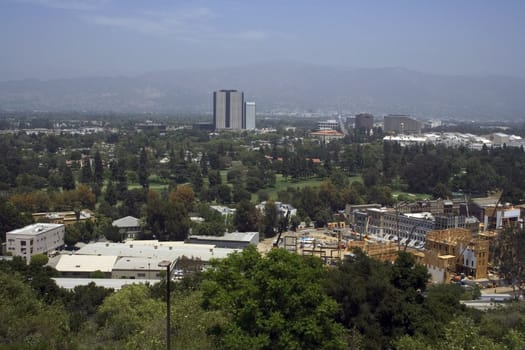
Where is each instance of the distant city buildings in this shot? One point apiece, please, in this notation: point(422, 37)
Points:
point(327, 136)
point(228, 110)
point(249, 112)
point(454, 139)
point(327, 125)
point(364, 121)
point(401, 124)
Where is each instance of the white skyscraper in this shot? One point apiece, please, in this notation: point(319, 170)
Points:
point(228, 112)
point(249, 113)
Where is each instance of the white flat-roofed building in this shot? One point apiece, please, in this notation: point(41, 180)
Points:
point(84, 265)
point(137, 268)
point(164, 252)
point(34, 239)
point(233, 240)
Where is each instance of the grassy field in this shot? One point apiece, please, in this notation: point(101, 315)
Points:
point(282, 183)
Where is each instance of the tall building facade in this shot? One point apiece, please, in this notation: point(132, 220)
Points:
point(249, 113)
point(228, 109)
point(364, 121)
point(401, 124)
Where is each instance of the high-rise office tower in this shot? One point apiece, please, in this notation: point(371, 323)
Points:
point(401, 124)
point(228, 109)
point(249, 113)
point(364, 121)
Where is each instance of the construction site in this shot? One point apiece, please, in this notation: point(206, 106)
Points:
point(450, 255)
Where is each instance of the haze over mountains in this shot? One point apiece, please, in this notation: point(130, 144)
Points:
point(279, 86)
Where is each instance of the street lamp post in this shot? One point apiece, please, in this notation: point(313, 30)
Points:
point(167, 265)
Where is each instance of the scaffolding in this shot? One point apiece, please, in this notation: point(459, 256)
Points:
point(471, 253)
point(379, 251)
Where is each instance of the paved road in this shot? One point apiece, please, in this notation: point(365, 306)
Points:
point(497, 290)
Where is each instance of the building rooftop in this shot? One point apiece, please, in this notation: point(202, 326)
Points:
point(154, 242)
point(171, 252)
point(327, 133)
point(223, 210)
point(34, 229)
point(128, 221)
point(84, 214)
point(423, 215)
point(137, 264)
point(231, 236)
point(86, 263)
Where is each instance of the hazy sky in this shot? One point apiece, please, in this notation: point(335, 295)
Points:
point(68, 38)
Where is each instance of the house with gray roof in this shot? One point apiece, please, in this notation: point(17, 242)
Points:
point(128, 227)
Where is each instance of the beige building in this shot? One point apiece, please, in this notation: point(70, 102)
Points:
point(137, 268)
point(35, 239)
point(327, 135)
point(64, 217)
point(85, 265)
point(470, 254)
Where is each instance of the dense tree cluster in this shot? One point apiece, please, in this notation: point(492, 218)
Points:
point(249, 301)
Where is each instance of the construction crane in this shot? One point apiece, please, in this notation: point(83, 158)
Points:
point(281, 229)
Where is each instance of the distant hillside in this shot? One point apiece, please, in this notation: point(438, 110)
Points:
point(285, 86)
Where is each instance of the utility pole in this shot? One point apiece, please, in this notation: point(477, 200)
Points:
point(167, 264)
point(397, 227)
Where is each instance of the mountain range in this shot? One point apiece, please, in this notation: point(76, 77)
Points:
point(283, 86)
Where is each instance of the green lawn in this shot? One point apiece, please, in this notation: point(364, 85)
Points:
point(282, 183)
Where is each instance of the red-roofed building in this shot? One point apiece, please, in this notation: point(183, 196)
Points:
point(327, 135)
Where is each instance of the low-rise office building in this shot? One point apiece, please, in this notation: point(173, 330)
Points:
point(137, 268)
point(35, 239)
point(138, 259)
point(232, 240)
point(85, 265)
